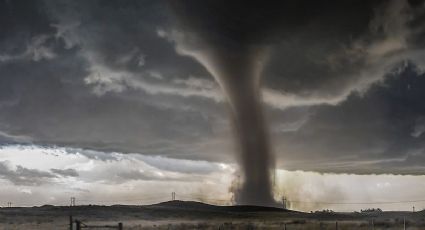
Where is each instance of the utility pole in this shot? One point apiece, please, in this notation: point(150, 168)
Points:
point(9, 204)
point(173, 196)
point(404, 223)
point(284, 202)
point(72, 201)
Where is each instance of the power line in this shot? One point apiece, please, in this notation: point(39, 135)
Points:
point(355, 203)
point(149, 198)
point(158, 198)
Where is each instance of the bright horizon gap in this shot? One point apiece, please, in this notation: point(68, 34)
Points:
point(70, 172)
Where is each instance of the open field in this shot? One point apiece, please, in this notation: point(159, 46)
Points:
point(193, 215)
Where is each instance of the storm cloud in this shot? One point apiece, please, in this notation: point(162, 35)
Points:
point(342, 87)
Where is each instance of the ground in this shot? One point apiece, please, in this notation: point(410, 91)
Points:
point(194, 215)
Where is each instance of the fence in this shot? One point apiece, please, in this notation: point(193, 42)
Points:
point(75, 224)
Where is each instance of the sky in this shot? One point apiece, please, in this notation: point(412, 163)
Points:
point(100, 100)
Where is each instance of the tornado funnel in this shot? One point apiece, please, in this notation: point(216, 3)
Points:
point(238, 72)
point(227, 44)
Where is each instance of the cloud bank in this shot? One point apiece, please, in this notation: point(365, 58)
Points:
point(342, 90)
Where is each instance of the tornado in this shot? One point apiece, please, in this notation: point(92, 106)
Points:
point(228, 39)
point(239, 73)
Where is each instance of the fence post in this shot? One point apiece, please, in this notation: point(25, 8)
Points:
point(70, 222)
point(119, 226)
point(404, 223)
point(78, 224)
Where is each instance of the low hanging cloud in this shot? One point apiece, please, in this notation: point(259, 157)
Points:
point(105, 80)
point(36, 50)
point(65, 172)
point(24, 176)
point(10, 138)
point(182, 166)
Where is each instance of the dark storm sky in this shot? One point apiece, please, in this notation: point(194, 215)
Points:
point(344, 85)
